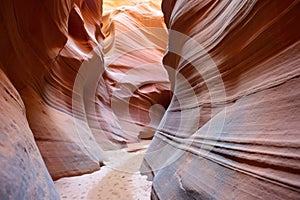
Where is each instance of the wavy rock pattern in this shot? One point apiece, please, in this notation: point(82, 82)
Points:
point(23, 173)
point(232, 128)
point(44, 44)
point(137, 83)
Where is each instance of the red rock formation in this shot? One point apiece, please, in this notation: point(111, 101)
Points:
point(232, 128)
point(43, 46)
point(137, 83)
point(49, 58)
point(23, 173)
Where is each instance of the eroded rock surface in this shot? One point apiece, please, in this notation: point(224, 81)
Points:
point(232, 128)
point(44, 44)
point(52, 53)
point(230, 131)
point(137, 83)
point(23, 173)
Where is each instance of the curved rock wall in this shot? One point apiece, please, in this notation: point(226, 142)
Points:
point(73, 102)
point(44, 45)
point(137, 83)
point(23, 173)
point(231, 130)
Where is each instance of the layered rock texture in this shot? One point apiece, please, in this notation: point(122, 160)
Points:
point(232, 128)
point(44, 44)
point(75, 102)
point(137, 83)
point(74, 83)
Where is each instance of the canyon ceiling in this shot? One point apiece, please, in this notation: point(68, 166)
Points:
point(214, 84)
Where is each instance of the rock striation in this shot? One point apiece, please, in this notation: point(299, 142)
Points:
point(224, 102)
point(44, 44)
point(76, 101)
point(232, 128)
point(137, 83)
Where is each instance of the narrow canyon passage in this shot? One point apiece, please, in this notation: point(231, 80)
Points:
point(150, 99)
point(139, 90)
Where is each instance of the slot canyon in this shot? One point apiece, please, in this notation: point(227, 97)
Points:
point(150, 99)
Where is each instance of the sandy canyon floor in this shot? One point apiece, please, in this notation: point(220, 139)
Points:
point(118, 179)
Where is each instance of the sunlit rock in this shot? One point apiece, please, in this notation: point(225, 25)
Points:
point(137, 83)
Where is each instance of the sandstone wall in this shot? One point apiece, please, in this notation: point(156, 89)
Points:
point(23, 173)
point(232, 128)
point(74, 99)
point(137, 83)
point(44, 44)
